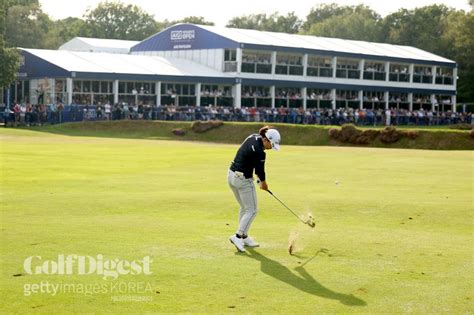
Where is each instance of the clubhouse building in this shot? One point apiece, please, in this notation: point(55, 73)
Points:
point(198, 65)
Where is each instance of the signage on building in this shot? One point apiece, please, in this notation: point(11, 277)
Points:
point(183, 35)
point(182, 39)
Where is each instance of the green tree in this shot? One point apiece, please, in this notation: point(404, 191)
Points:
point(9, 60)
point(356, 22)
point(26, 25)
point(116, 20)
point(193, 20)
point(439, 30)
point(459, 35)
point(323, 12)
point(273, 23)
point(422, 28)
point(64, 30)
point(8, 56)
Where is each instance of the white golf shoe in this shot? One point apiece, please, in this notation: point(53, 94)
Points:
point(239, 244)
point(248, 241)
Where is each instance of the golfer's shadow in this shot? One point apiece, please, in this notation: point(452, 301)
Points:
point(305, 283)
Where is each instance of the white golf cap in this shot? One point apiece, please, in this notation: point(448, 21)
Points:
point(274, 136)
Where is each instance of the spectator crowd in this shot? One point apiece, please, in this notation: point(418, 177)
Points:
point(27, 114)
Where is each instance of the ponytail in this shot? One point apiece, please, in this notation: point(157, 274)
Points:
point(263, 131)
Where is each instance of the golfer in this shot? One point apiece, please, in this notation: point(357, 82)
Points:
point(250, 157)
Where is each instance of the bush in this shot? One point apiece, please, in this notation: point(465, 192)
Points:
point(390, 135)
point(461, 126)
point(472, 133)
point(412, 134)
point(349, 134)
point(179, 132)
point(203, 126)
point(334, 133)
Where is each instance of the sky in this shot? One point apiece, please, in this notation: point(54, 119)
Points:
point(221, 11)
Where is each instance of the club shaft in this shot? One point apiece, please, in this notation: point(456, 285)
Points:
point(286, 207)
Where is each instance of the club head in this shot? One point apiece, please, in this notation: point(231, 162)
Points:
point(310, 222)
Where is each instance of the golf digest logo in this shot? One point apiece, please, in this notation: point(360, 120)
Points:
point(87, 265)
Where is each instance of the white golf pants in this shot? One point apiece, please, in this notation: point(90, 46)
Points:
point(244, 191)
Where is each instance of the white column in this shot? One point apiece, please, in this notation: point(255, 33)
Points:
point(274, 61)
point(52, 86)
point(305, 65)
point(15, 94)
point(334, 65)
point(411, 70)
point(158, 93)
point(387, 71)
point(410, 102)
point(361, 68)
point(237, 94)
point(455, 76)
point(23, 91)
point(272, 93)
point(361, 99)
point(116, 91)
point(69, 90)
point(303, 94)
point(433, 72)
point(453, 102)
point(198, 94)
point(433, 101)
point(385, 97)
point(333, 98)
point(239, 60)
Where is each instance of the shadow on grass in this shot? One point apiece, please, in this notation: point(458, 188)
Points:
point(304, 282)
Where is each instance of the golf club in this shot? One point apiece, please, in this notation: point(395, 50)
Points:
point(309, 221)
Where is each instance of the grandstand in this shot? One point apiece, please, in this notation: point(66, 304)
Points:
point(196, 65)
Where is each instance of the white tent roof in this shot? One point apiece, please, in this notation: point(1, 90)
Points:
point(123, 64)
point(323, 43)
point(98, 45)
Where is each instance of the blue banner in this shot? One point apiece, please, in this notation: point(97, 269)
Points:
point(184, 37)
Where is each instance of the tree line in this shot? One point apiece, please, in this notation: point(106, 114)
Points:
point(436, 28)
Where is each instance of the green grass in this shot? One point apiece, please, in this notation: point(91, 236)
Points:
point(395, 236)
point(234, 132)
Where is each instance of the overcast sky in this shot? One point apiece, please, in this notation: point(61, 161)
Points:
point(221, 11)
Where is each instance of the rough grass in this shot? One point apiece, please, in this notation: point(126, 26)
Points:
point(231, 132)
point(393, 236)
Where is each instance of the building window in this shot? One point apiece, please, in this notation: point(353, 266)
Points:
point(444, 76)
point(216, 95)
point(398, 100)
point(421, 101)
point(399, 73)
point(373, 100)
point(374, 70)
point(178, 94)
point(89, 92)
point(319, 66)
point(347, 68)
point(318, 98)
point(256, 96)
point(347, 98)
point(289, 64)
point(442, 102)
point(422, 74)
point(60, 91)
point(230, 60)
point(256, 62)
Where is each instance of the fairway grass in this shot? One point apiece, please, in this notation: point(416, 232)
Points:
point(394, 235)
